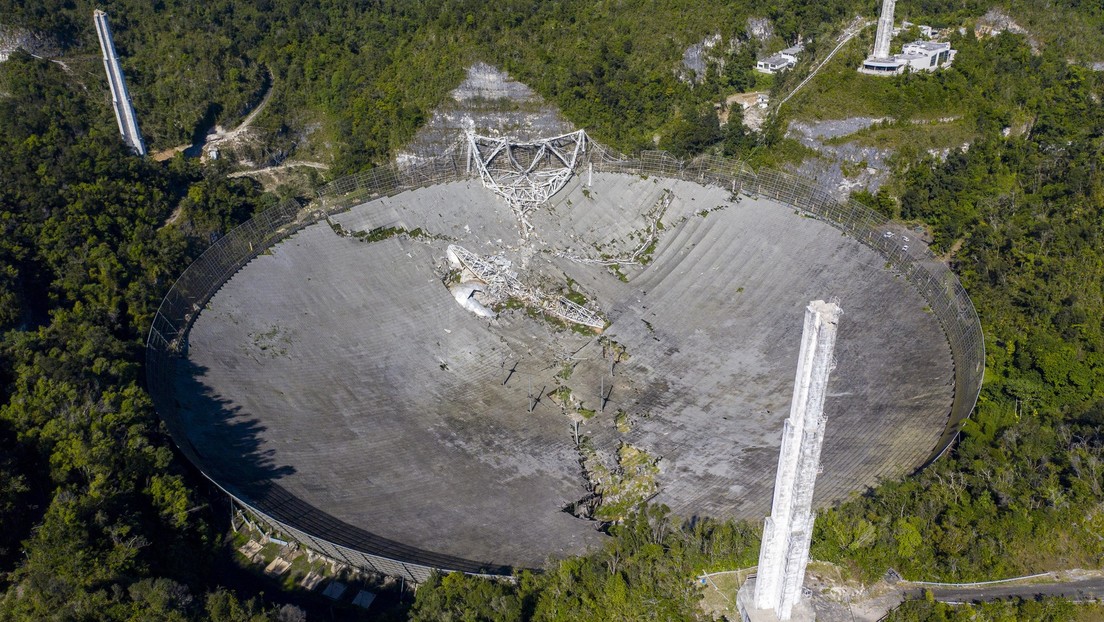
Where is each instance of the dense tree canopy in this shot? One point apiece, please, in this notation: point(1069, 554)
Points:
point(91, 499)
point(1023, 216)
point(99, 520)
point(353, 82)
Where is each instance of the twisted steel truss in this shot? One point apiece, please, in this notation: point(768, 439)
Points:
point(525, 174)
point(502, 283)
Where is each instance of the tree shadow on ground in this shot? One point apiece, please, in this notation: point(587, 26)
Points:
point(224, 442)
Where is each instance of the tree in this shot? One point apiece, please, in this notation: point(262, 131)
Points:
point(693, 133)
point(738, 139)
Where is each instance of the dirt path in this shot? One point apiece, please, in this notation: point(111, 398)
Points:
point(952, 251)
point(285, 165)
point(219, 135)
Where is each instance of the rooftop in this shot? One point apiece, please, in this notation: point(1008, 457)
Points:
point(928, 46)
point(777, 60)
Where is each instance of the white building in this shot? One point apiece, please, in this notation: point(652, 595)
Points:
point(925, 31)
point(915, 56)
point(781, 61)
point(928, 55)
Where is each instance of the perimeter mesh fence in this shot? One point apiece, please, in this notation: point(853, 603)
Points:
point(312, 527)
point(346, 192)
point(167, 345)
point(946, 299)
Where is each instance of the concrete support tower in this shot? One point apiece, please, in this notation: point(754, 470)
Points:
point(885, 30)
point(120, 97)
point(788, 530)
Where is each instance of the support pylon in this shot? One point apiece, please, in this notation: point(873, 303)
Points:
point(788, 530)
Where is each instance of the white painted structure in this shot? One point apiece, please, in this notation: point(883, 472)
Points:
point(120, 97)
point(781, 61)
point(885, 30)
point(915, 56)
point(501, 283)
point(525, 174)
point(927, 55)
point(788, 530)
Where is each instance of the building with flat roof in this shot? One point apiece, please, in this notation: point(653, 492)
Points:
point(775, 63)
point(781, 61)
point(915, 56)
point(928, 55)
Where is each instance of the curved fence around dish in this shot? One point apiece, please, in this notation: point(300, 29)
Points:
point(312, 527)
point(947, 299)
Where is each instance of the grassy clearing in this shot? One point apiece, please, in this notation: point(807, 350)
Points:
point(622, 422)
point(719, 594)
point(839, 91)
point(625, 486)
point(573, 294)
point(787, 151)
point(921, 136)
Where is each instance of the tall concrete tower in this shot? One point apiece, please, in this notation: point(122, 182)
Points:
point(789, 529)
point(885, 30)
point(120, 97)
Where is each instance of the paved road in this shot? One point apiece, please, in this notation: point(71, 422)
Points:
point(1080, 590)
point(1075, 585)
point(1075, 588)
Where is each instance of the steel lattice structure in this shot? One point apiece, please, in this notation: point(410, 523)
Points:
point(526, 174)
point(503, 283)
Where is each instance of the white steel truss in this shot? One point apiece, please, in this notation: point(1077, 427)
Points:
point(525, 174)
point(502, 283)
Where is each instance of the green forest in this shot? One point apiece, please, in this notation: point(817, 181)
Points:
point(101, 520)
